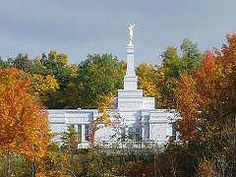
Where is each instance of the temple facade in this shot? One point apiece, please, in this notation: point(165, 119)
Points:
point(133, 115)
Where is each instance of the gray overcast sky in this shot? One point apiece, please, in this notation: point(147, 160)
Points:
point(77, 27)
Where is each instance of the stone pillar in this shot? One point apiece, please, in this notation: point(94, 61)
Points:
point(83, 133)
point(67, 122)
point(130, 61)
point(76, 127)
point(130, 79)
point(143, 131)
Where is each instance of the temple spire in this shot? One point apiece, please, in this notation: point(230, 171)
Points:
point(130, 52)
point(130, 79)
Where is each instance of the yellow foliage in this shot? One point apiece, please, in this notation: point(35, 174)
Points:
point(61, 57)
point(104, 107)
point(146, 73)
point(43, 84)
point(148, 80)
point(206, 169)
point(106, 104)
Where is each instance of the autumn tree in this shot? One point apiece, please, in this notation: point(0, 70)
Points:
point(24, 126)
point(148, 76)
point(54, 64)
point(43, 86)
point(60, 78)
point(51, 74)
point(206, 103)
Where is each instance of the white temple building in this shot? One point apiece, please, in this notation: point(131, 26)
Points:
point(137, 113)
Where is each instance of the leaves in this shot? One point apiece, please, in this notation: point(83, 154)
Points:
point(42, 85)
point(174, 65)
point(99, 75)
point(24, 127)
point(147, 75)
point(206, 103)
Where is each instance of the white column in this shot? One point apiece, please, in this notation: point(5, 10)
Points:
point(83, 133)
point(130, 61)
point(143, 131)
point(67, 122)
point(130, 79)
point(76, 127)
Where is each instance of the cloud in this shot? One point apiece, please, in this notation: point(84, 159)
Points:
point(79, 27)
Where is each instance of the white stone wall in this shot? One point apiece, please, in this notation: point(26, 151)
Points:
point(153, 125)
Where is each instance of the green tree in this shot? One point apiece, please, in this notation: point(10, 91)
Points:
point(190, 54)
point(98, 75)
point(175, 64)
point(3, 63)
point(22, 62)
point(54, 64)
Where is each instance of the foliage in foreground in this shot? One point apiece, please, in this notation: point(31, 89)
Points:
point(206, 101)
point(24, 129)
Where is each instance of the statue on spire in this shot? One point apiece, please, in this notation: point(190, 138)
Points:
point(131, 34)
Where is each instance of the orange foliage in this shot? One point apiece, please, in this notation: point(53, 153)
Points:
point(24, 126)
point(140, 168)
point(207, 96)
point(206, 169)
